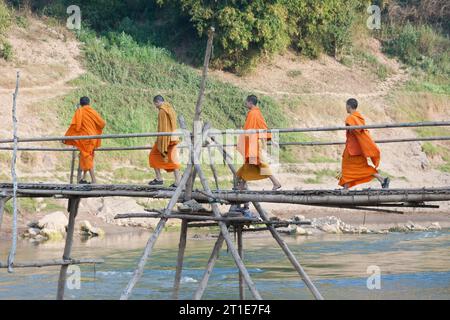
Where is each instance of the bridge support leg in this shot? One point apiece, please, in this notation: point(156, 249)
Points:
point(151, 242)
point(211, 262)
point(229, 241)
point(73, 211)
point(181, 249)
point(241, 254)
point(289, 253)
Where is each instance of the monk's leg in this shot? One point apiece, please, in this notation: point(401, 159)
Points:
point(92, 174)
point(176, 173)
point(379, 177)
point(242, 184)
point(158, 174)
point(275, 182)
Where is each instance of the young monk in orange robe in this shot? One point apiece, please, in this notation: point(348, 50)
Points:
point(359, 146)
point(86, 122)
point(164, 151)
point(252, 147)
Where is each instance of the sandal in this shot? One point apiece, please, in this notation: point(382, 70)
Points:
point(156, 182)
point(82, 181)
point(385, 184)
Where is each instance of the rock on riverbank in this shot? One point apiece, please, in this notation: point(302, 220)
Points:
point(54, 227)
point(334, 225)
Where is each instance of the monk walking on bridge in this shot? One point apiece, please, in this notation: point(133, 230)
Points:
point(86, 122)
point(253, 147)
point(359, 146)
point(164, 151)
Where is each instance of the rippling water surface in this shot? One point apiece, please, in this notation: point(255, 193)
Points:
point(412, 265)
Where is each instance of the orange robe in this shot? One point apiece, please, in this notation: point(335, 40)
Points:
point(86, 122)
point(252, 147)
point(359, 146)
point(164, 151)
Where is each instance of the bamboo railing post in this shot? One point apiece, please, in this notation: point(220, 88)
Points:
point(72, 163)
point(72, 167)
point(213, 168)
point(201, 94)
point(189, 139)
point(241, 254)
point(226, 235)
point(73, 211)
point(3, 201)
point(12, 252)
point(289, 254)
point(181, 250)
point(152, 240)
point(209, 267)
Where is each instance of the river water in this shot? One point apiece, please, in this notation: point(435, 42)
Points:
point(412, 266)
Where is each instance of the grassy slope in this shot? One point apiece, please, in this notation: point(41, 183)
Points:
point(123, 76)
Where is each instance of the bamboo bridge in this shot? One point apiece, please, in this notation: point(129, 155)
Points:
point(197, 140)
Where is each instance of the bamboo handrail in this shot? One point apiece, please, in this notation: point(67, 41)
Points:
point(293, 143)
point(103, 136)
point(235, 132)
point(338, 128)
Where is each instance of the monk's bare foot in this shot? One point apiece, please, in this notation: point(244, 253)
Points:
point(276, 187)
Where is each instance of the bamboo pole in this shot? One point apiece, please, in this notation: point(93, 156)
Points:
point(216, 145)
point(152, 240)
point(181, 250)
point(241, 254)
point(192, 172)
point(276, 224)
point(103, 137)
point(190, 143)
point(226, 235)
point(289, 254)
point(201, 94)
point(12, 252)
point(213, 169)
point(52, 263)
point(73, 211)
point(340, 128)
point(360, 208)
point(209, 268)
point(239, 132)
point(381, 141)
point(184, 216)
point(3, 201)
point(72, 167)
point(323, 197)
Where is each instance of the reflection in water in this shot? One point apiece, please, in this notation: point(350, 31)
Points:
point(413, 266)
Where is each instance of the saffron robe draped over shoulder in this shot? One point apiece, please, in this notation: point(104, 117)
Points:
point(164, 153)
point(359, 147)
point(86, 122)
point(252, 146)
